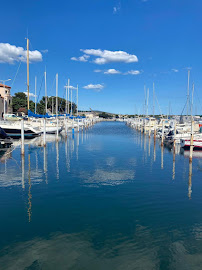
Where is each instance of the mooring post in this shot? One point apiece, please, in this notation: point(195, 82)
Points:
point(78, 125)
point(66, 126)
point(44, 132)
point(57, 130)
point(23, 171)
point(149, 127)
point(174, 142)
point(73, 126)
point(162, 137)
point(155, 130)
point(191, 142)
point(22, 138)
point(145, 126)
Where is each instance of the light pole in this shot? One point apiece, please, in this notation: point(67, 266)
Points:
point(4, 85)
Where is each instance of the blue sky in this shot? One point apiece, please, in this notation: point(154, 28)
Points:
point(158, 40)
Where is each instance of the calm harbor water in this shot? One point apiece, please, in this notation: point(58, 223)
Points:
point(107, 198)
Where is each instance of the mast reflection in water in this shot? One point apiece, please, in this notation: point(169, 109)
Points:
point(106, 198)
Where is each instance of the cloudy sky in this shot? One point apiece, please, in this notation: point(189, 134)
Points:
point(111, 49)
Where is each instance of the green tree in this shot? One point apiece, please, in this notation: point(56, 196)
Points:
point(20, 101)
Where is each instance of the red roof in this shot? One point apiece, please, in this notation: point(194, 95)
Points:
point(6, 86)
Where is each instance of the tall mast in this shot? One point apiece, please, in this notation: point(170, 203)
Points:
point(68, 94)
point(27, 73)
point(77, 100)
point(188, 100)
point(71, 101)
point(35, 93)
point(56, 94)
point(66, 99)
point(153, 100)
point(46, 106)
point(192, 101)
point(147, 100)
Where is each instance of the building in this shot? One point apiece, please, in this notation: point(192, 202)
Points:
point(1, 107)
point(5, 93)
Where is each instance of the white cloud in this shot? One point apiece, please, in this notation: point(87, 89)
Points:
point(133, 72)
point(175, 70)
point(83, 58)
point(30, 94)
point(112, 71)
point(11, 53)
point(105, 56)
point(97, 70)
point(44, 51)
point(72, 87)
point(97, 87)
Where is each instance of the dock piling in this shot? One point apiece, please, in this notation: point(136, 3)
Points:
point(22, 138)
point(162, 136)
point(57, 130)
point(44, 132)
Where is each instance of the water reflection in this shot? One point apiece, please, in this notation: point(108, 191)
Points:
point(23, 171)
point(100, 175)
point(174, 164)
point(77, 251)
point(190, 180)
point(57, 160)
point(107, 177)
point(45, 165)
point(162, 152)
point(112, 186)
point(29, 192)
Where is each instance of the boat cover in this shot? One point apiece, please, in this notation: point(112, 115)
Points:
point(3, 134)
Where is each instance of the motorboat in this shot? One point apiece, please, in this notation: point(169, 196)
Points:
point(13, 129)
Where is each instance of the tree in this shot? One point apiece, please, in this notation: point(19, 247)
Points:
point(20, 101)
point(105, 115)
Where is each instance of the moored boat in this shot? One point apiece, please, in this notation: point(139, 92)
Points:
point(13, 129)
point(197, 143)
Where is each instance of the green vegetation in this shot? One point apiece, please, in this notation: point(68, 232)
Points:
point(19, 102)
point(105, 115)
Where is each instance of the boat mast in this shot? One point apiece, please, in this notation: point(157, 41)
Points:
point(27, 73)
point(35, 93)
point(77, 100)
point(153, 100)
point(66, 98)
point(46, 106)
point(188, 92)
point(192, 102)
point(71, 101)
point(56, 95)
point(68, 94)
point(147, 100)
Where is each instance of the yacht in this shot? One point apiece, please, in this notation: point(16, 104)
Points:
point(13, 129)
